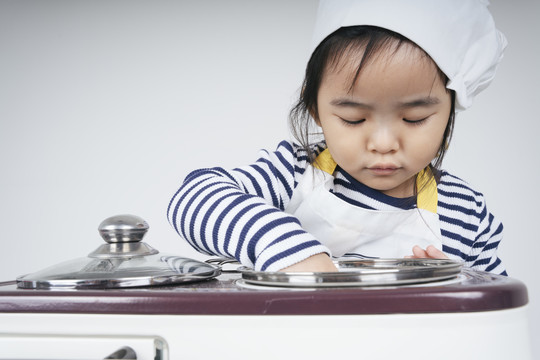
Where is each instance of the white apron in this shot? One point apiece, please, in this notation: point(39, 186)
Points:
point(348, 229)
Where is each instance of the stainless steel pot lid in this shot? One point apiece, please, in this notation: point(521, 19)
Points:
point(364, 272)
point(124, 261)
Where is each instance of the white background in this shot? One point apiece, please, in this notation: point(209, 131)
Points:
point(105, 106)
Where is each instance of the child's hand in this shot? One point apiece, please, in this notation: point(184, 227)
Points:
point(315, 263)
point(431, 252)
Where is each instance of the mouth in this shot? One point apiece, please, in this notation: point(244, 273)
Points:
point(383, 169)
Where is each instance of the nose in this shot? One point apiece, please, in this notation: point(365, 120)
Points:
point(382, 139)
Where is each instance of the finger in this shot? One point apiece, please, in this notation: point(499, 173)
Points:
point(418, 252)
point(435, 253)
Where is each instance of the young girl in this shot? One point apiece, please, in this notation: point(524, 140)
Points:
point(383, 83)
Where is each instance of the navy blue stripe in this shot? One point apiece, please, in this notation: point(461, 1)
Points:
point(221, 171)
point(208, 213)
point(253, 181)
point(192, 176)
point(285, 236)
point(471, 259)
point(461, 196)
point(193, 218)
point(458, 222)
point(175, 212)
point(491, 245)
point(481, 262)
point(169, 207)
point(280, 177)
point(500, 228)
point(248, 225)
point(487, 231)
point(450, 250)
point(458, 208)
point(269, 183)
point(286, 145)
point(480, 244)
point(460, 184)
point(264, 230)
point(266, 153)
point(215, 231)
point(321, 147)
point(494, 265)
point(232, 225)
point(286, 164)
point(302, 158)
point(351, 201)
point(451, 235)
point(290, 172)
point(299, 170)
point(290, 251)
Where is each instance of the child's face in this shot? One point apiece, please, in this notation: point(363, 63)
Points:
point(391, 124)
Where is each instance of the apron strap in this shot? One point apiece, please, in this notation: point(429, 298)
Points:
point(325, 162)
point(427, 197)
point(426, 185)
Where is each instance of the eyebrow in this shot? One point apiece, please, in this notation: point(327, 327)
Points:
point(421, 102)
point(345, 102)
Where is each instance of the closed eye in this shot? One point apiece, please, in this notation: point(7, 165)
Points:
point(351, 122)
point(415, 121)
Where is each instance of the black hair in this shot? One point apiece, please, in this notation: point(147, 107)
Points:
point(345, 41)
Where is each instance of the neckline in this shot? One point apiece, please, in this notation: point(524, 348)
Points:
point(405, 203)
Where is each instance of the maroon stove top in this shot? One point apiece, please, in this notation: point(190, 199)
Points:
point(476, 291)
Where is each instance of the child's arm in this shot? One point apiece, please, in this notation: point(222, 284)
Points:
point(483, 253)
point(470, 232)
point(239, 213)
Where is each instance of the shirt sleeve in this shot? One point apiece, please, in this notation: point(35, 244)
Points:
point(239, 213)
point(470, 232)
point(483, 253)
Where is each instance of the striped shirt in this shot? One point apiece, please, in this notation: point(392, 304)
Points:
point(239, 213)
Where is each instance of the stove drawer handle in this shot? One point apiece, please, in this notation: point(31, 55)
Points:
point(125, 352)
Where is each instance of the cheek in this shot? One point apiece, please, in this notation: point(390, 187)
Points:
point(340, 140)
point(429, 141)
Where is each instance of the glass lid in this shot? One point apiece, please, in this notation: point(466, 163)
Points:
point(123, 261)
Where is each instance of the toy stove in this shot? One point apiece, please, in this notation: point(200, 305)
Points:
point(128, 301)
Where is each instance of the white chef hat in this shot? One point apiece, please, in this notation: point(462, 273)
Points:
point(459, 35)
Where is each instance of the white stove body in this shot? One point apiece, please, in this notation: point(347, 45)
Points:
point(479, 335)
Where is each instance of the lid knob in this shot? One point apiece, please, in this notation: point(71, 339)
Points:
point(123, 229)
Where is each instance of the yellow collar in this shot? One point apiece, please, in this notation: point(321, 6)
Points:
point(426, 185)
